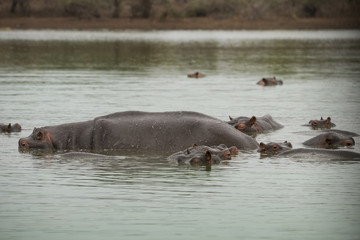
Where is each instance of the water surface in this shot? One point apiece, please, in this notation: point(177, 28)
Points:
point(54, 77)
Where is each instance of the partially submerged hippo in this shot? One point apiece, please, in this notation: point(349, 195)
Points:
point(8, 128)
point(203, 155)
point(269, 82)
point(195, 158)
point(285, 150)
point(274, 148)
point(319, 124)
point(195, 75)
point(253, 125)
point(137, 131)
point(330, 140)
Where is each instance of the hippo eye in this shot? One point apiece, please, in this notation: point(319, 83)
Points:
point(39, 136)
point(314, 123)
point(275, 148)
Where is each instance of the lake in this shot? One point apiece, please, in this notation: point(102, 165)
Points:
point(53, 77)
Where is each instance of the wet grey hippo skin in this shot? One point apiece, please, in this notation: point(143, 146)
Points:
point(342, 132)
point(269, 82)
point(323, 153)
point(330, 140)
point(320, 124)
point(254, 125)
point(138, 131)
point(8, 128)
point(281, 150)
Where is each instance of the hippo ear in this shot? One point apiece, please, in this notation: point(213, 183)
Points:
point(208, 156)
point(39, 136)
point(328, 120)
point(321, 118)
point(252, 120)
point(230, 118)
point(194, 145)
point(187, 151)
point(288, 144)
point(262, 145)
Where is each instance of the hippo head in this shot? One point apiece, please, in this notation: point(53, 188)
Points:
point(5, 128)
point(40, 139)
point(198, 158)
point(269, 82)
point(223, 152)
point(334, 141)
point(315, 124)
point(330, 140)
point(16, 127)
point(274, 148)
point(246, 126)
point(195, 75)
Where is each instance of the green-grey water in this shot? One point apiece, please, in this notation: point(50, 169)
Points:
point(53, 77)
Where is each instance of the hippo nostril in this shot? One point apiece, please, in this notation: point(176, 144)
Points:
point(23, 144)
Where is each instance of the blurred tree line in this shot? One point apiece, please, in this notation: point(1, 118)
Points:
point(163, 9)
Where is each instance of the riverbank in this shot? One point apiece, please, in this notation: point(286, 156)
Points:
point(205, 23)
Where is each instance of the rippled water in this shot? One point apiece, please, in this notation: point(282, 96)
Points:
point(53, 77)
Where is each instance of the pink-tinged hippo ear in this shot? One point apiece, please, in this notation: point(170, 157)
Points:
point(208, 156)
point(230, 118)
point(328, 120)
point(252, 120)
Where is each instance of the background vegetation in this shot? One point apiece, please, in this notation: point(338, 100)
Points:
point(164, 9)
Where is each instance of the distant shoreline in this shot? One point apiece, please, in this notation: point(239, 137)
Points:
point(207, 23)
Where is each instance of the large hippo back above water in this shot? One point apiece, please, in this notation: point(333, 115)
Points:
point(138, 131)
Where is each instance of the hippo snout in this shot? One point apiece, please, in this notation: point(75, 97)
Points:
point(24, 144)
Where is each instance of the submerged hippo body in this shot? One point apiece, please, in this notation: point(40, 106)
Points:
point(330, 140)
point(342, 132)
point(8, 128)
point(281, 150)
point(254, 125)
point(321, 153)
point(269, 82)
point(138, 131)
